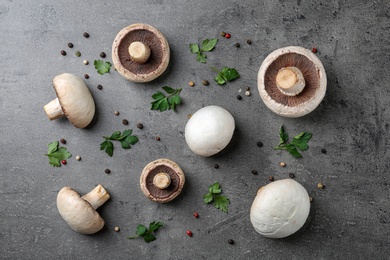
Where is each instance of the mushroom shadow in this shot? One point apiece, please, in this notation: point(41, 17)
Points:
point(233, 145)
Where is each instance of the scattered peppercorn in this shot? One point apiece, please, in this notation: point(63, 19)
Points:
point(100, 87)
point(205, 82)
point(311, 199)
point(140, 126)
point(231, 241)
point(323, 151)
point(86, 35)
point(86, 76)
point(78, 158)
point(320, 186)
point(77, 53)
point(125, 122)
point(63, 162)
point(271, 178)
point(254, 172)
point(103, 54)
point(63, 53)
point(85, 62)
point(191, 83)
point(314, 50)
point(70, 45)
point(249, 42)
point(282, 164)
point(63, 141)
point(116, 113)
point(216, 166)
point(189, 233)
point(247, 93)
point(291, 175)
point(158, 138)
point(237, 45)
point(239, 97)
point(223, 34)
point(107, 171)
point(116, 229)
point(247, 88)
point(189, 116)
point(196, 215)
point(259, 144)
point(228, 35)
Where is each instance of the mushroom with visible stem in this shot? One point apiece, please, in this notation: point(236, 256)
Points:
point(280, 208)
point(80, 212)
point(74, 100)
point(292, 81)
point(209, 130)
point(140, 53)
point(162, 180)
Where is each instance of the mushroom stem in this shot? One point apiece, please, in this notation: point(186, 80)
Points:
point(139, 52)
point(162, 180)
point(96, 197)
point(53, 109)
point(290, 81)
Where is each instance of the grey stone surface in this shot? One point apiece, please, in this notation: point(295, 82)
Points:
point(349, 219)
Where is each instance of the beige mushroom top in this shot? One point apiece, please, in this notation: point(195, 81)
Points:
point(140, 53)
point(162, 180)
point(292, 81)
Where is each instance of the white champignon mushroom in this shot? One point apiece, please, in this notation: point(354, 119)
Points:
point(209, 130)
point(80, 212)
point(292, 81)
point(280, 208)
point(74, 100)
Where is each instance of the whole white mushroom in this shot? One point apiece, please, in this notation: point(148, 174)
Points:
point(280, 208)
point(209, 130)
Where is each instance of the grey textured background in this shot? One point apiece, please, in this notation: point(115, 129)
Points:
point(348, 220)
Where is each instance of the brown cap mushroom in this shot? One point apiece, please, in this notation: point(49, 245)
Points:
point(292, 81)
point(140, 53)
point(80, 212)
point(162, 180)
point(74, 100)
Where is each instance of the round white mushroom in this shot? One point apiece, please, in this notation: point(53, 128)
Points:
point(209, 130)
point(280, 208)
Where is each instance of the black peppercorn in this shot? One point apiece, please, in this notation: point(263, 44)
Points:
point(77, 53)
point(86, 35)
point(63, 141)
point(63, 53)
point(249, 42)
point(254, 172)
point(205, 82)
point(158, 138)
point(107, 171)
point(259, 144)
point(70, 45)
point(291, 175)
point(86, 76)
point(223, 34)
point(103, 54)
point(100, 87)
point(239, 97)
point(271, 178)
point(231, 241)
point(125, 122)
point(237, 45)
point(140, 126)
point(323, 151)
point(216, 166)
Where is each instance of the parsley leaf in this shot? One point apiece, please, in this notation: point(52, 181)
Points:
point(299, 142)
point(125, 138)
point(207, 46)
point(102, 67)
point(56, 154)
point(147, 234)
point(163, 103)
point(220, 202)
point(225, 75)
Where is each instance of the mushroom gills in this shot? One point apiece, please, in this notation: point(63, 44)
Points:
point(290, 81)
point(139, 52)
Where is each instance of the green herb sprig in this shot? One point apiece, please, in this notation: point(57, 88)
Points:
point(147, 233)
point(207, 46)
point(220, 202)
point(162, 102)
point(102, 67)
point(56, 154)
point(225, 75)
point(299, 142)
point(126, 140)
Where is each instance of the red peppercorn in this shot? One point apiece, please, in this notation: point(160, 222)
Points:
point(314, 50)
point(228, 35)
point(63, 162)
point(196, 215)
point(189, 233)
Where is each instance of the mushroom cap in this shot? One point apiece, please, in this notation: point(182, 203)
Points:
point(209, 130)
point(280, 208)
point(75, 99)
point(175, 173)
point(314, 75)
point(159, 55)
point(77, 212)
